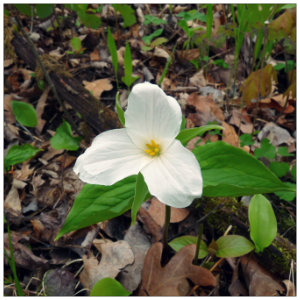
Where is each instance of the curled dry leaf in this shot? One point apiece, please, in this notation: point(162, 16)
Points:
point(40, 109)
point(12, 203)
point(259, 281)
point(115, 256)
point(97, 87)
point(171, 280)
point(157, 211)
point(198, 79)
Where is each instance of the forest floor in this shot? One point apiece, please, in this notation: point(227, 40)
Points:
point(190, 51)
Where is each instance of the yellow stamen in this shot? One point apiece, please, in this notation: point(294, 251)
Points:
point(153, 149)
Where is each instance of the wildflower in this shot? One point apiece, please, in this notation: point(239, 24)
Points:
point(147, 144)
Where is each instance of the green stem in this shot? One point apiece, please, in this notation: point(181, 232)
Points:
point(199, 239)
point(166, 227)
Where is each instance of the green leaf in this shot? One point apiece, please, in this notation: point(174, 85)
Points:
point(266, 149)
point(287, 196)
point(284, 151)
point(185, 240)
point(279, 168)
point(246, 140)
point(25, 9)
point(63, 138)
point(187, 134)
point(230, 171)
point(96, 203)
point(112, 50)
point(192, 15)
point(108, 287)
point(209, 20)
point(18, 154)
point(76, 43)
point(148, 38)
point(128, 79)
point(263, 224)
point(154, 20)
point(44, 10)
point(183, 122)
point(24, 113)
point(294, 173)
point(141, 195)
point(158, 41)
point(233, 246)
point(119, 109)
point(127, 13)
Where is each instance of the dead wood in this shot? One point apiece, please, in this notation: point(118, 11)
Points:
point(96, 114)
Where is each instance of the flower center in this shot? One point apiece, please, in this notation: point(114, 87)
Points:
point(153, 149)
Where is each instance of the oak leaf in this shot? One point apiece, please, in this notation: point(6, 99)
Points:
point(171, 280)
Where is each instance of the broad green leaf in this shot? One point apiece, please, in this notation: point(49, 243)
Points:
point(293, 173)
point(128, 14)
point(148, 38)
point(284, 151)
point(24, 113)
point(246, 140)
point(18, 154)
point(192, 15)
point(119, 109)
point(63, 138)
point(183, 122)
point(96, 203)
point(154, 20)
point(128, 79)
point(279, 168)
point(44, 10)
point(108, 287)
point(266, 149)
point(26, 9)
point(233, 246)
point(287, 196)
point(263, 224)
point(187, 134)
point(112, 50)
point(90, 20)
point(185, 240)
point(230, 171)
point(141, 195)
point(76, 43)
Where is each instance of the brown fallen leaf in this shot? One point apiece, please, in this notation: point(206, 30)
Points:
point(259, 281)
point(238, 119)
point(40, 109)
point(154, 229)
point(207, 110)
point(157, 211)
point(198, 79)
point(59, 282)
point(8, 112)
point(131, 275)
point(95, 56)
point(230, 136)
point(115, 256)
point(23, 256)
point(236, 288)
point(97, 87)
point(171, 280)
point(12, 202)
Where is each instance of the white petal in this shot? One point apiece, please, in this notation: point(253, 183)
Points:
point(111, 157)
point(151, 114)
point(174, 177)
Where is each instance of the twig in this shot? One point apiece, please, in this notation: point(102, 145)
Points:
point(46, 74)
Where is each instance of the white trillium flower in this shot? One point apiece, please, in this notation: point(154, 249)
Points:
point(147, 144)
